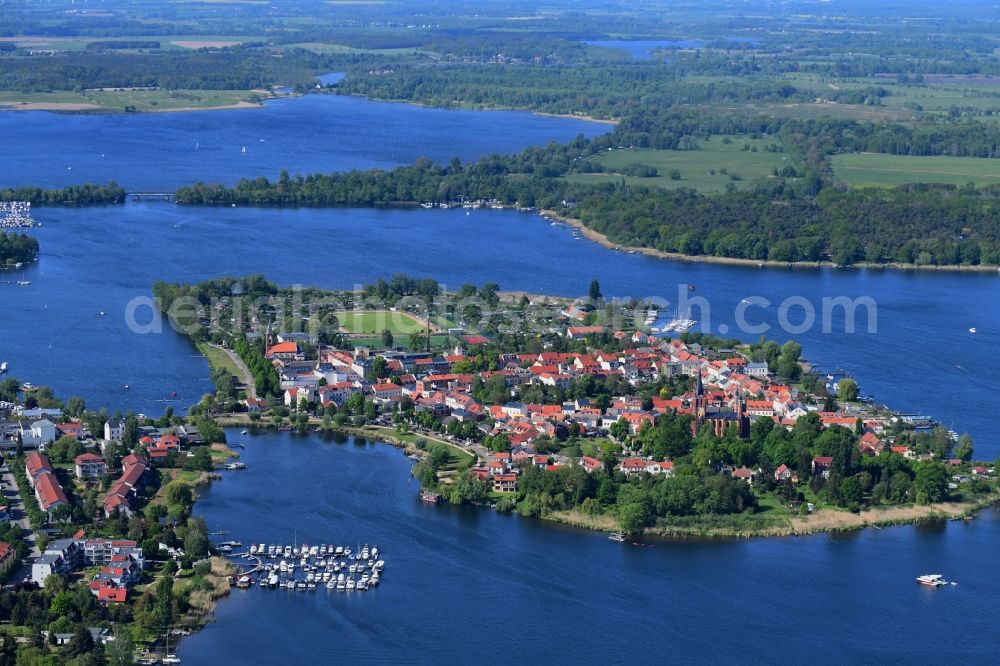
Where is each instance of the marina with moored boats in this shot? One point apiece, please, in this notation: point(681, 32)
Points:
point(307, 568)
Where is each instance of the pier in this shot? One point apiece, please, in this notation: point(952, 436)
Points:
point(155, 196)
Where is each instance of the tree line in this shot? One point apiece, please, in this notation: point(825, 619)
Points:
point(74, 195)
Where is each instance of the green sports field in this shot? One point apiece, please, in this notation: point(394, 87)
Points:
point(372, 322)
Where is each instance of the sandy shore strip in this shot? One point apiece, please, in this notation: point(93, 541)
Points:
point(603, 240)
point(576, 116)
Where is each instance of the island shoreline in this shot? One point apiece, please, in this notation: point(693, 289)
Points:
point(604, 241)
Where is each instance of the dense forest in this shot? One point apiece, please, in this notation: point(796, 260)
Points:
point(234, 68)
point(17, 249)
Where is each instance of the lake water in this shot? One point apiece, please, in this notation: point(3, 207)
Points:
point(642, 49)
point(921, 358)
point(314, 133)
point(457, 576)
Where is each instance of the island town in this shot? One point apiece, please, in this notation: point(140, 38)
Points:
point(651, 430)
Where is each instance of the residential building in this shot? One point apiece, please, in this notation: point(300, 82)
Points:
point(113, 430)
point(90, 466)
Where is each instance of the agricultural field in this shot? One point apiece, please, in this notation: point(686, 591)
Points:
point(878, 170)
point(936, 95)
point(167, 42)
point(122, 99)
point(728, 159)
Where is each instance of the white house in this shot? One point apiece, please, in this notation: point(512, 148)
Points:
point(38, 434)
point(113, 430)
point(295, 395)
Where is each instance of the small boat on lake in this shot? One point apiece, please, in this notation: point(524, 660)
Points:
point(430, 497)
point(618, 537)
point(932, 580)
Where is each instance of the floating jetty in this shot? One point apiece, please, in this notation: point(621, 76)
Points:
point(15, 215)
point(307, 568)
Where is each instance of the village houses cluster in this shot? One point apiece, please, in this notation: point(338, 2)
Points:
point(120, 561)
point(730, 390)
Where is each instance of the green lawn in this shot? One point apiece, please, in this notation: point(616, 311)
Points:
point(375, 321)
point(596, 446)
point(217, 358)
point(742, 167)
point(457, 457)
point(877, 170)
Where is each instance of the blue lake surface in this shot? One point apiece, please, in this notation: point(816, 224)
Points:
point(642, 49)
point(309, 134)
point(920, 358)
point(458, 576)
point(455, 576)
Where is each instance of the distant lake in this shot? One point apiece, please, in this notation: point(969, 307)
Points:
point(308, 134)
point(457, 575)
point(642, 49)
point(923, 358)
point(331, 78)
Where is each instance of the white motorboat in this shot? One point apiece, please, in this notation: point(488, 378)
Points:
point(932, 580)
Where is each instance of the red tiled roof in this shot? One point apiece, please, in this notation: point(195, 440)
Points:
point(283, 348)
point(35, 462)
point(110, 593)
point(49, 491)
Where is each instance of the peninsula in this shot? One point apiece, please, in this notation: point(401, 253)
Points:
point(574, 411)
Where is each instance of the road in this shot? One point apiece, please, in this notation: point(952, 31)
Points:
point(242, 367)
point(20, 517)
